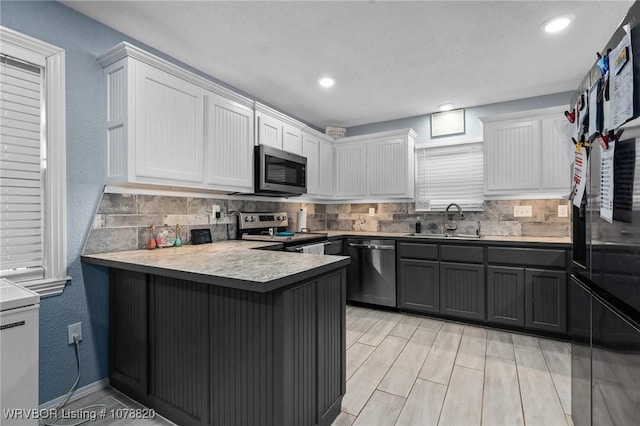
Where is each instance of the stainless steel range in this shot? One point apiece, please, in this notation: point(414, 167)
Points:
point(270, 226)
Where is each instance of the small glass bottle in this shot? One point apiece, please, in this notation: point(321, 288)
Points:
point(178, 242)
point(152, 238)
point(418, 226)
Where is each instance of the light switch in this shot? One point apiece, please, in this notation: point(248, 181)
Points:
point(372, 211)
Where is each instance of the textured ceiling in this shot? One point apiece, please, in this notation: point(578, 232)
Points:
point(390, 59)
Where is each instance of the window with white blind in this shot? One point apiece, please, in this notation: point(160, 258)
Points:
point(33, 239)
point(450, 173)
point(21, 171)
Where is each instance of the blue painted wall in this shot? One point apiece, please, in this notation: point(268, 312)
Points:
point(86, 297)
point(473, 127)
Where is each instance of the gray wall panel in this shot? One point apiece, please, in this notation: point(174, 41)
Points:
point(178, 339)
point(128, 329)
point(241, 357)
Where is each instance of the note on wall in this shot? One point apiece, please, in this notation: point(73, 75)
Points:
point(621, 81)
point(606, 182)
point(594, 116)
point(579, 175)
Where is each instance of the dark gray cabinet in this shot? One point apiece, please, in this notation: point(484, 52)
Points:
point(462, 290)
point(202, 354)
point(419, 285)
point(505, 295)
point(533, 292)
point(128, 331)
point(521, 286)
point(179, 349)
point(546, 300)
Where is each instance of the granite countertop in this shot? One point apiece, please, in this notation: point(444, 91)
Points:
point(493, 238)
point(230, 263)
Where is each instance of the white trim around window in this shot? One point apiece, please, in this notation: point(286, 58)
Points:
point(52, 59)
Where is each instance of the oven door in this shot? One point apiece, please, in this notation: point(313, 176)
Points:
point(278, 171)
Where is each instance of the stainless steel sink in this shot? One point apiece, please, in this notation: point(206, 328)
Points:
point(447, 236)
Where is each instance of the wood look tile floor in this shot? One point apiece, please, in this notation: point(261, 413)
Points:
point(113, 400)
point(415, 371)
point(410, 370)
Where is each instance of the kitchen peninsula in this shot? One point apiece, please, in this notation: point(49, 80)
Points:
point(227, 333)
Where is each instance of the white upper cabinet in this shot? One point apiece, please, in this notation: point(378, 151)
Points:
point(269, 130)
point(158, 132)
point(380, 165)
point(556, 170)
point(351, 169)
point(525, 155)
point(168, 127)
point(390, 167)
point(318, 149)
point(277, 130)
point(229, 143)
point(326, 169)
point(311, 150)
point(512, 155)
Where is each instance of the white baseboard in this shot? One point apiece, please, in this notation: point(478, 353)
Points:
point(79, 393)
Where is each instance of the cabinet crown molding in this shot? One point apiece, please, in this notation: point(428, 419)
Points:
point(315, 133)
point(370, 136)
point(524, 114)
point(258, 107)
point(125, 49)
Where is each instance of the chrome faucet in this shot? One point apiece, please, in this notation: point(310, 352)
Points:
point(460, 215)
point(452, 226)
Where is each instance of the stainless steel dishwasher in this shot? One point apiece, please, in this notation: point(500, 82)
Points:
point(371, 276)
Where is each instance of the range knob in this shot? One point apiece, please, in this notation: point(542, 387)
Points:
point(249, 219)
point(280, 218)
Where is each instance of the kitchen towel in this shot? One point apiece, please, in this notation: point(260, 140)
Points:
point(314, 249)
point(301, 219)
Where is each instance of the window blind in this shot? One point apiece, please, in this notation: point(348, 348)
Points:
point(450, 174)
point(21, 171)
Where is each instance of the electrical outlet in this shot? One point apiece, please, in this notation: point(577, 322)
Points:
point(75, 329)
point(216, 211)
point(563, 210)
point(522, 211)
point(372, 211)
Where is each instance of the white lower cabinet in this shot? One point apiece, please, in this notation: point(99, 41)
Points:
point(229, 144)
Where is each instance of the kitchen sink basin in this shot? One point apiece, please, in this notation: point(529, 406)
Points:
point(447, 236)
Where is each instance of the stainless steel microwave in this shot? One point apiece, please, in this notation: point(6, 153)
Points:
point(279, 173)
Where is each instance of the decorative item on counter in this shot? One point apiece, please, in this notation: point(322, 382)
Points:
point(418, 226)
point(152, 240)
point(165, 238)
point(178, 241)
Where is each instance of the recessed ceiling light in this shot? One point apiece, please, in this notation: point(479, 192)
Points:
point(326, 82)
point(445, 107)
point(557, 24)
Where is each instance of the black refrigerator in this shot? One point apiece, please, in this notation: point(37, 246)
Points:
point(604, 289)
